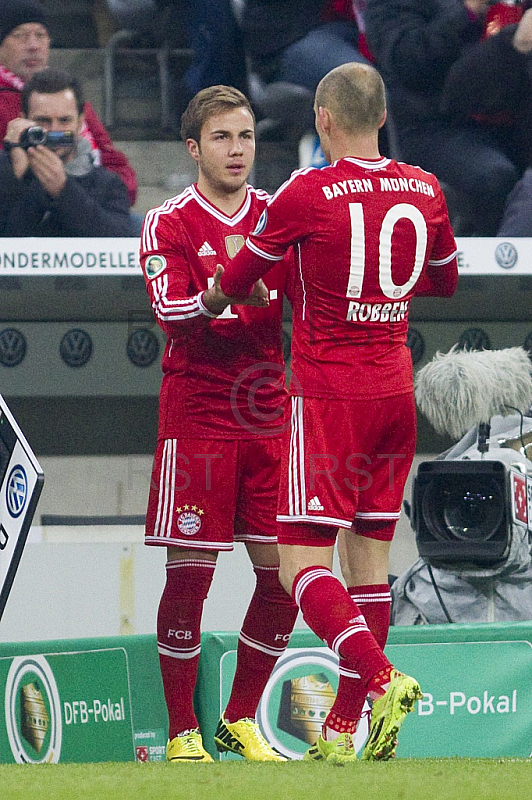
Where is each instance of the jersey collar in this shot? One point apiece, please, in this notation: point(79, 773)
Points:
point(219, 215)
point(369, 164)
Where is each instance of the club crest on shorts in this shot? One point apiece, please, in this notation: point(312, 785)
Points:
point(233, 244)
point(154, 265)
point(189, 519)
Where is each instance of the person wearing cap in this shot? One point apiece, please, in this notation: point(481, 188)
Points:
point(24, 51)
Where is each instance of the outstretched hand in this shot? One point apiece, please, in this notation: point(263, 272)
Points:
point(216, 301)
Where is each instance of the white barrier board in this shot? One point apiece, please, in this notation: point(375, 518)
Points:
point(119, 256)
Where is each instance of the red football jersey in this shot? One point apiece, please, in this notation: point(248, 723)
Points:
point(369, 235)
point(223, 376)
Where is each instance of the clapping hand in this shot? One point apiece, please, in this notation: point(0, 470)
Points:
point(216, 301)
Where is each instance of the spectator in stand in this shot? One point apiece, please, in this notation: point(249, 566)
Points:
point(134, 14)
point(24, 50)
point(492, 81)
point(415, 44)
point(517, 217)
point(288, 40)
point(211, 30)
point(217, 41)
point(295, 42)
point(55, 189)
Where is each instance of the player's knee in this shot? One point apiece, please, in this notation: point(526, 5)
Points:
point(286, 579)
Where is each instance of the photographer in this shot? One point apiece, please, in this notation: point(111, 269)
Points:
point(25, 50)
point(54, 189)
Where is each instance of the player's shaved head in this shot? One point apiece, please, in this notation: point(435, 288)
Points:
point(209, 103)
point(355, 96)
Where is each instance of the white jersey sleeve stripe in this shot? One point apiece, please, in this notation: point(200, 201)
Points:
point(203, 308)
point(292, 177)
point(149, 232)
point(175, 310)
point(262, 253)
point(440, 261)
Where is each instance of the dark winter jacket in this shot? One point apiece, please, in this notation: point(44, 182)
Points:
point(415, 43)
point(492, 82)
point(92, 204)
point(270, 26)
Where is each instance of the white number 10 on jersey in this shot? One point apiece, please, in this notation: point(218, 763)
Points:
point(357, 262)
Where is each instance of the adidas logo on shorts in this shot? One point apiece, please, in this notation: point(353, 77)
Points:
point(314, 504)
point(206, 250)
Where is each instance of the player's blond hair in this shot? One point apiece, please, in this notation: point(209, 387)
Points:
point(354, 94)
point(208, 103)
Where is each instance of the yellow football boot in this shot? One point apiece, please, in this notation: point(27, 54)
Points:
point(244, 738)
point(388, 714)
point(340, 751)
point(187, 747)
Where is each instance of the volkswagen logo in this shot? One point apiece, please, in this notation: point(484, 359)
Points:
point(12, 347)
point(474, 339)
point(76, 347)
point(506, 255)
point(416, 343)
point(142, 347)
point(16, 491)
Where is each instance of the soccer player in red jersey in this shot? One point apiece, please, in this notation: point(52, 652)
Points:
point(369, 234)
point(221, 414)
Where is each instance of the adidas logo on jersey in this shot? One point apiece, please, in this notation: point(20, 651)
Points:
point(206, 250)
point(314, 504)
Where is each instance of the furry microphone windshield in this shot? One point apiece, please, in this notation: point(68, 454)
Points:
point(463, 388)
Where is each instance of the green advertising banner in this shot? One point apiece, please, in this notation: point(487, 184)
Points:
point(477, 696)
point(477, 699)
point(66, 707)
point(91, 700)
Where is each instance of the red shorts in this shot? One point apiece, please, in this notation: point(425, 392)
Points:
point(346, 460)
point(205, 494)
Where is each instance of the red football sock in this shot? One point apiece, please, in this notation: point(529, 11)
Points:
point(263, 638)
point(179, 637)
point(331, 613)
point(374, 601)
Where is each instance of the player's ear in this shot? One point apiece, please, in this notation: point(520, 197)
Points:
point(383, 120)
point(324, 119)
point(193, 148)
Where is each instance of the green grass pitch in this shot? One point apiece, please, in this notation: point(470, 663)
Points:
point(405, 779)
